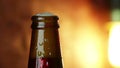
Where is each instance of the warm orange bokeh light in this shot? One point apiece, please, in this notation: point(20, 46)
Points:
point(82, 43)
point(114, 44)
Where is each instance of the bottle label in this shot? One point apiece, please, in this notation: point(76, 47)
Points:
point(41, 63)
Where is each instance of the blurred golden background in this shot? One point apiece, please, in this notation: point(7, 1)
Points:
point(83, 31)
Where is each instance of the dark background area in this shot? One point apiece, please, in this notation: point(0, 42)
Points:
point(15, 29)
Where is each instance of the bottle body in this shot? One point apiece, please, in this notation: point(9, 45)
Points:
point(45, 47)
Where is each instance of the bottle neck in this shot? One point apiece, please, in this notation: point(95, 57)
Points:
point(40, 22)
point(43, 25)
point(46, 44)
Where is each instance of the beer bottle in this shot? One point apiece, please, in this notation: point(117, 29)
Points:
point(45, 47)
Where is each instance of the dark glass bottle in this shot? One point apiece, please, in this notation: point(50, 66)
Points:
point(45, 47)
